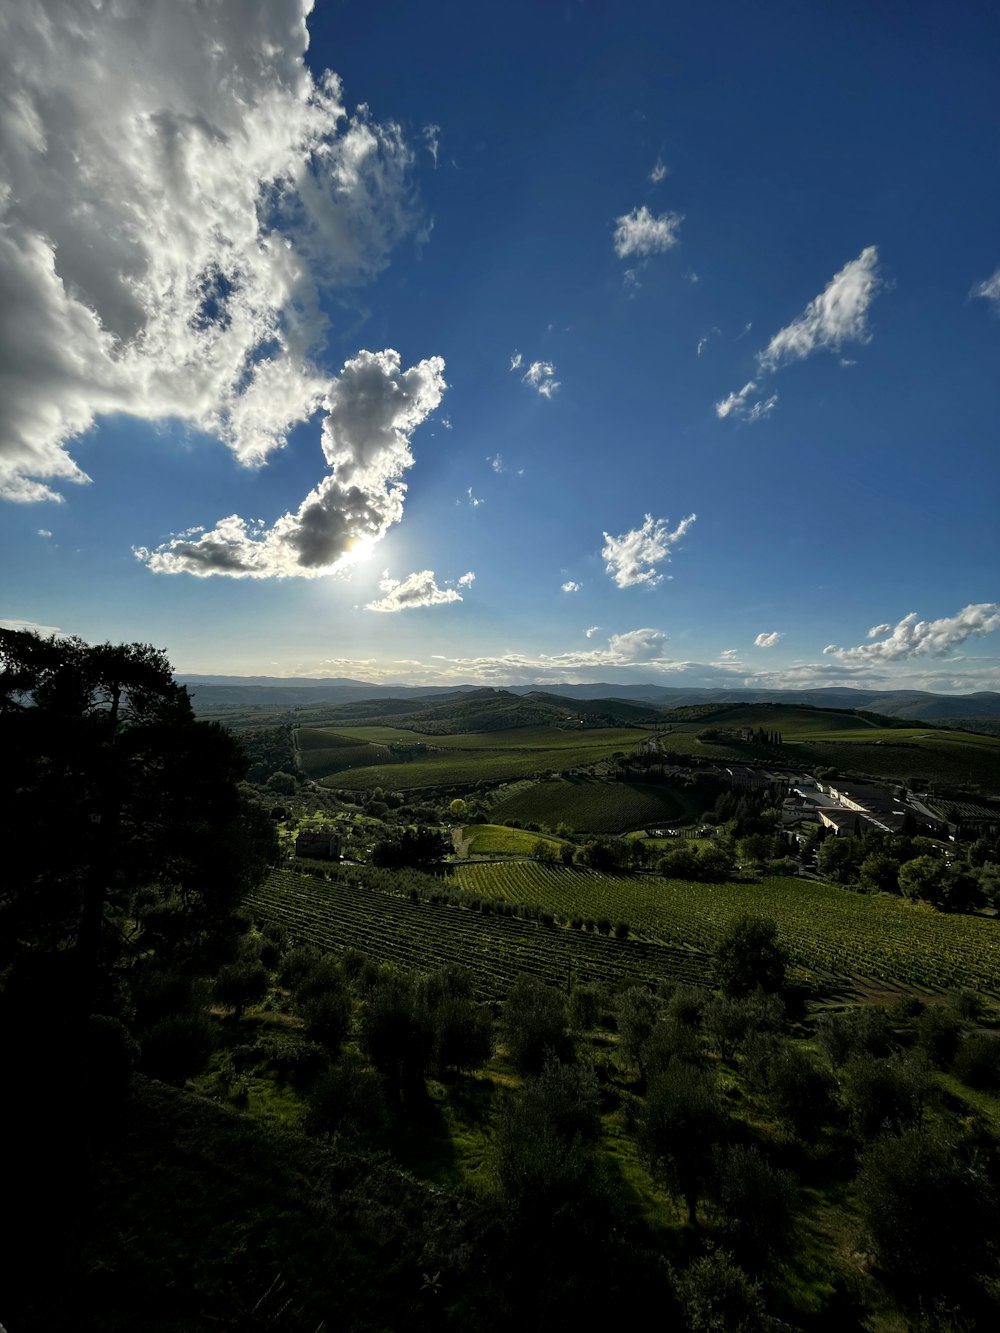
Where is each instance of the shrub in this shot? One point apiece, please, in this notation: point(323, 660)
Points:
point(977, 1062)
point(177, 1048)
point(349, 1099)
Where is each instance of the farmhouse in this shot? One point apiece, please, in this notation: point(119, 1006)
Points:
point(322, 846)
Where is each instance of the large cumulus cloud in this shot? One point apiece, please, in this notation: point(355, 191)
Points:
point(372, 409)
point(177, 192)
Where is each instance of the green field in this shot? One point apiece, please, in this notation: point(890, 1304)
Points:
point(832, 934)
point(498, 840)
point(595, 806)
point(494, 756)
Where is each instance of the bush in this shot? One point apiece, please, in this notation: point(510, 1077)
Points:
point(177, 1048)
point(860, 1031)
point(327, 1018)
point(977, 1062)
point(938, 1032)
point(719, 1297)
point(348, 1099)
point(885, 1095)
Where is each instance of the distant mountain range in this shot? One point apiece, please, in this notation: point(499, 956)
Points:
point(219, 693)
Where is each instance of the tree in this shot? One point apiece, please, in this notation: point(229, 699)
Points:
point(637, 1012)
point(749, 958)
point(240, 984)
point(536, 1024)
point(125, 801)
point(921, 878)
point(879, 873)
point(755, 1203)
point(681, 1125)
point(930, 1210)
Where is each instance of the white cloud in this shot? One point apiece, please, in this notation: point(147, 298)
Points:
point(729, 655)
point(638, 645)
point(466, 580)
point(180, 192)
point(516, 361)
point(990, 289)
point(414, 591)
point(633, 556)
point(496, 462)
point(740, 405)
point(474, 500)
point(923, 638)
point(767, 640)
point(31, 627)
point(44, 532)
point(703, 342)
point(877, 631)
point(659, 172)
point(642, 233)
point(838, 315)
point(541, 375)
point(372, 409)
point(570, 586)
point(432, 138)
point(589, 633)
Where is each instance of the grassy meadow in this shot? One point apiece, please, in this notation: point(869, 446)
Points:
point(359, 758)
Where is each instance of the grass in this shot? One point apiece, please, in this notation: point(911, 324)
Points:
point(455, 761)
point(498, 840)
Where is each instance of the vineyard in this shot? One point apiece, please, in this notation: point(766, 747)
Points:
point(836, 940)
point(343, 913)
point(830, 933)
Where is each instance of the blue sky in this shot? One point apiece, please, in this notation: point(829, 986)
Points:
point(546, 342)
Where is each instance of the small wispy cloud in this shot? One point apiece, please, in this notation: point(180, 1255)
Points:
point(767, 640)
point(496, 462)
point(416, 590)
point(591, 631)
point(990, 289)
point(466, 580)
point(541, 376)
point(571, 586)
point(44, 532)
point(474, 500)
point(838, 315)
point(516, 361)
point(632, 558)
point(643, 233)
point(741, 404)
point(704, 341)
point(659, 172)
point(432, 137)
